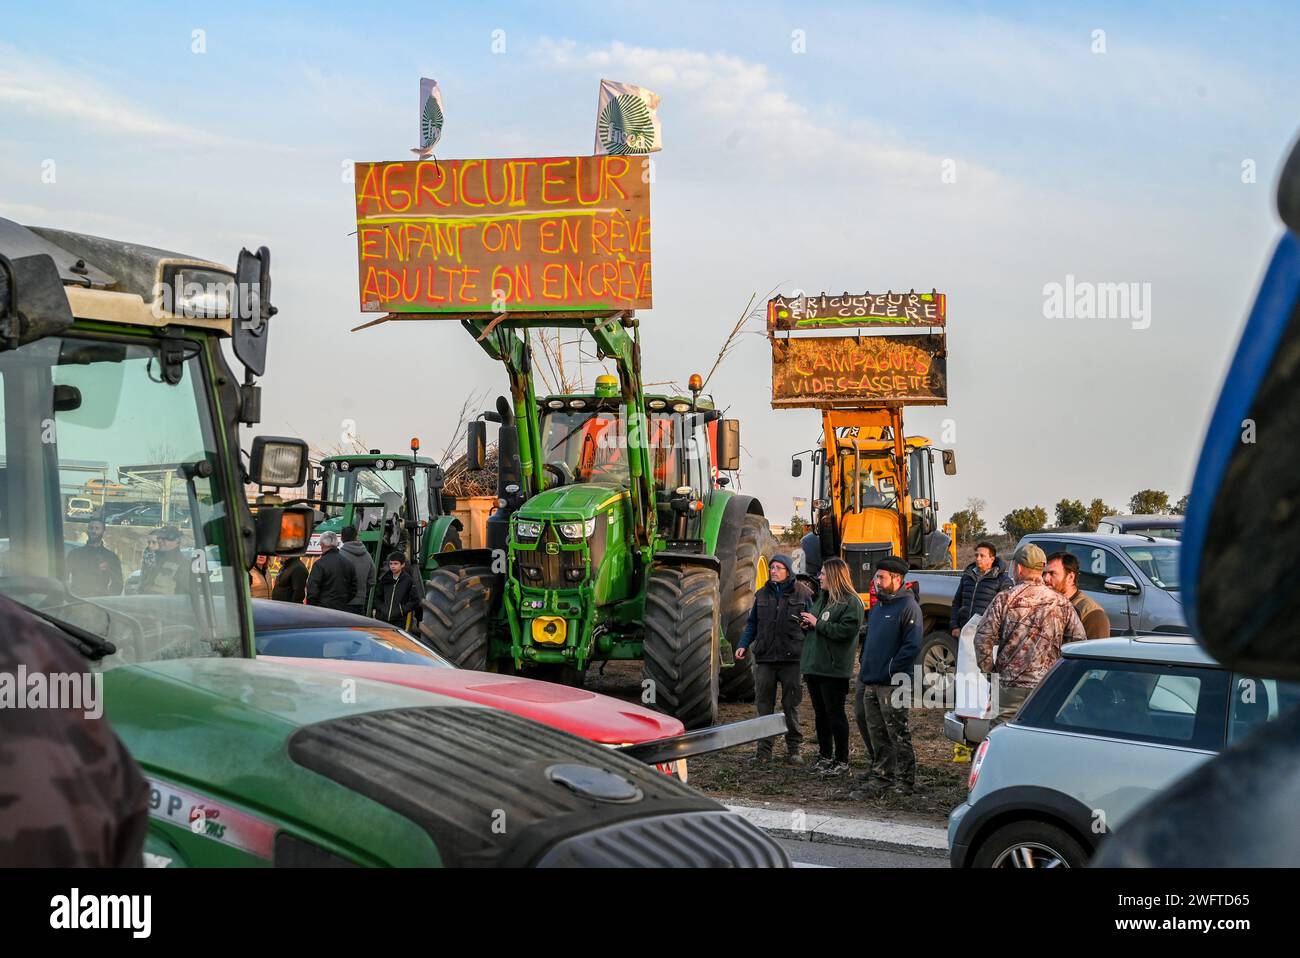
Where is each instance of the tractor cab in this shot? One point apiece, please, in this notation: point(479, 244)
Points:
point(113, 382)
point(873, 494)
point(395, 501)
point(584, 439)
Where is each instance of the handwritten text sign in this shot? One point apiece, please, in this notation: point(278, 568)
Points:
point(568, 233)
point(833, 370)
point(869, 309)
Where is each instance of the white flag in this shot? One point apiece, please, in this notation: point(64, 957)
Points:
point(430, 118)
point(627, 119)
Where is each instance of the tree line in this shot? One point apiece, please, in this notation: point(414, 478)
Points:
point(1069, 512)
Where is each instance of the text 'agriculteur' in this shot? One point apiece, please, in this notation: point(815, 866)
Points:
point(492, 235)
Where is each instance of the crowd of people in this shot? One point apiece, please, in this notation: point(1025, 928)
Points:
point(96, 570)
point(343, 577)
point(798, 635)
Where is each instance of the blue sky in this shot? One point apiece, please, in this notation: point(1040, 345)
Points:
point(817, 170)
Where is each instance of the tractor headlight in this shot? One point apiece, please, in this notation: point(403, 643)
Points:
point(527, 529)
point(577, 530)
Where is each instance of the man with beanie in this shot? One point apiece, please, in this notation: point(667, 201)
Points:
point(1027, 624)
point(362, 564)
point(895, 626)
point(774, 636)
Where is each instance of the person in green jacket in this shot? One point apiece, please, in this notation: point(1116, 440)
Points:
point(830, 631)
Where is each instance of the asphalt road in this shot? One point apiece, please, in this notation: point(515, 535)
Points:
point(825, 855)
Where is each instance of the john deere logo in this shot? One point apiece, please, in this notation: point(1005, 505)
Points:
point(552, 548)
point(625, 125)
point(430, 123)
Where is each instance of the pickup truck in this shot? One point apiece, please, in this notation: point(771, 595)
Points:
point(1150, 565)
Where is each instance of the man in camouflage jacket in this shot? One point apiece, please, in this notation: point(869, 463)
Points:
point(1028, 623)
point(70, 793)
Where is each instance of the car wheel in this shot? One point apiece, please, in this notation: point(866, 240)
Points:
point(939, 659)
point(1030, 845)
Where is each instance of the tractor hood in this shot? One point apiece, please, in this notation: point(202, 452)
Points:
point(214, 733)
point(585, 499)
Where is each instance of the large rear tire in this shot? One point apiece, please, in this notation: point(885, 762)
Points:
point(457, 610)
point(753, 549)
point(681, 643)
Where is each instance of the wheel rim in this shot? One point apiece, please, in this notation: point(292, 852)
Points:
point(1030, 855)
point(940, 661)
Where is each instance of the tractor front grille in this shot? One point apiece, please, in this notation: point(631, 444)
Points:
point(542, 570)
point(863, 559)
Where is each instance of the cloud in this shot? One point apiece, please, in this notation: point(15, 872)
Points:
point(740, 104)
point(42, 89)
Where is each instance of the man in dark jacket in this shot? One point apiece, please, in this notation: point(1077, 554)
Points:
point(333, 582)
point(362, 565)
point(70, 793)
point(94, 569)
point(291, 583)
point(774, 636)
point(894, 629)
point(398, 596)
point(980, 582)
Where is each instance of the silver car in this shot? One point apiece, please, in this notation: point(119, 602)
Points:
point(1113, 723)
point(1155, 602)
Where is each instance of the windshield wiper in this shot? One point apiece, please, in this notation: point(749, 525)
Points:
point(89, 644)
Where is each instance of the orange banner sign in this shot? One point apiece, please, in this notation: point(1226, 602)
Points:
point(490, 236)
point(831, 370)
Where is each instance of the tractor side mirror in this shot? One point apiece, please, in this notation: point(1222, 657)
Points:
point(33, 304)
point(796, 468)
point(253, 309)
point(949, 462)
point(476, 436)
point(729, 445)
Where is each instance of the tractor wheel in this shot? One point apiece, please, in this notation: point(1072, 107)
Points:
point(754, 548)
point(457, 608)
point(681, 643)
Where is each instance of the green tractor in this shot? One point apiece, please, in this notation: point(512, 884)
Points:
point(114, 354)
point(396, 503)
point(615, 536)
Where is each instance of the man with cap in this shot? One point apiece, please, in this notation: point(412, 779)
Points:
point(1027, 624)
point(895, 627)
point(169, 573)
point(774, 636)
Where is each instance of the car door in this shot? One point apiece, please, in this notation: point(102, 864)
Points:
point(1097, 564)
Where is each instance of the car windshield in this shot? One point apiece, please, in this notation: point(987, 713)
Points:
point(350, 644)
point(1164, 532)
point(97, 420)
point(1159, 561)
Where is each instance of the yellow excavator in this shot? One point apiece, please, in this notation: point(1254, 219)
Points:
point(873, 491)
